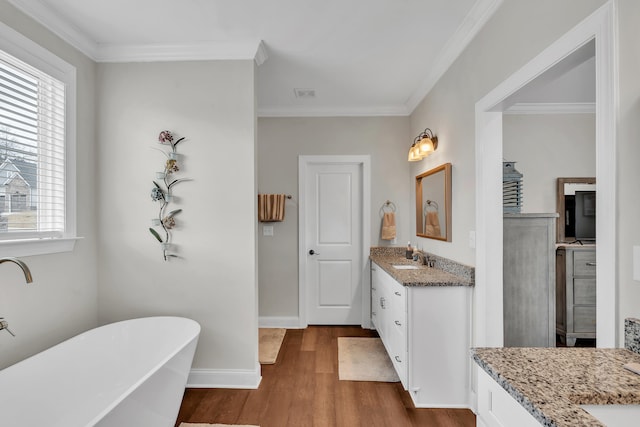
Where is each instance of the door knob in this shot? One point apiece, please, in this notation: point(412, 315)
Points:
point(312, 252)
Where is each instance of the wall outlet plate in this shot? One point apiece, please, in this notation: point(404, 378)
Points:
point(267, 230)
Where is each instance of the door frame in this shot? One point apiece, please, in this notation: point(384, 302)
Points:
point(365, 163)
point(488, 312)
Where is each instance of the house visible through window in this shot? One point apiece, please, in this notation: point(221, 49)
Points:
point(32, 151)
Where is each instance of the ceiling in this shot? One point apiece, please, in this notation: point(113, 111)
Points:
point(567, 87)
point(359, 57)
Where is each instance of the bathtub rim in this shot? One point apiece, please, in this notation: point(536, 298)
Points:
point(155, 369)
point(187, 335)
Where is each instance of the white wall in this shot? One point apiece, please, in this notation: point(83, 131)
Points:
point(508, 41)
point(212, 104)
point(61, 301)
point(546, 147)
point(628, 155)
point(280, 142)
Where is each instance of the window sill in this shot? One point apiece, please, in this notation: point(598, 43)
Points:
point(30, 247)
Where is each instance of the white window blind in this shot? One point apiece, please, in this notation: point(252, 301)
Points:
point(32, 151)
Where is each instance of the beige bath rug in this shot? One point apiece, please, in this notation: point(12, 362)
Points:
point(364, 359)
point(270, 340)
point(213, 425)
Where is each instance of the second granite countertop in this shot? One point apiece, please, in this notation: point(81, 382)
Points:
point(423, 275)
point(551, 383)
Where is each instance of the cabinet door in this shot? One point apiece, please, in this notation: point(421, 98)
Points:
point(379, 304)
point(529, 274)
point(375, 296)
point(496, 408)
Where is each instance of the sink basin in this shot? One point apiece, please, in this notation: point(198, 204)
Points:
point(405, 267)
point(615, 415)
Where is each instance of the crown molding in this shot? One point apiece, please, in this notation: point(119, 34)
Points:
point(210, 50)
point(353, 111)
point(552, 108)
point(477, 17)
point(57, 25)
point(250, 49)
point(261, 54)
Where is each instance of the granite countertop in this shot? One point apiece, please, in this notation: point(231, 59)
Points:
point(551, 383)
point(423, 276)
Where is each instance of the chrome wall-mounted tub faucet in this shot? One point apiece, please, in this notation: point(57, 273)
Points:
point(22, 265)
point(27, 276)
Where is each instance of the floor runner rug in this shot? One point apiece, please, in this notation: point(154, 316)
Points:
point(364, 359)
point(270, 340)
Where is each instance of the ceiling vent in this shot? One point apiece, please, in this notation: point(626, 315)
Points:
point(305, 93)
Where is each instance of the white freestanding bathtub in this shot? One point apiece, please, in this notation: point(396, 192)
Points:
point(130, 373)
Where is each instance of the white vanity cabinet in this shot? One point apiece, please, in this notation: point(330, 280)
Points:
point(389, 316)
point(425, 330)
point(496, 408)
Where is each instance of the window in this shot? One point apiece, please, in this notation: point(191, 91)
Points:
point(37, 147)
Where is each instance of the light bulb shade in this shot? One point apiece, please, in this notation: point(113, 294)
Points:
point(426, 145)
point(423, 145)
point(414, 154)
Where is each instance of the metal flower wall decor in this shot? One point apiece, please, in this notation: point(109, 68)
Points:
point(161, 193)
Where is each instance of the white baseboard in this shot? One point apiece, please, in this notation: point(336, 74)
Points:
point(291, 322)
point(473, 400)
point(224, 378)
point(440, 405)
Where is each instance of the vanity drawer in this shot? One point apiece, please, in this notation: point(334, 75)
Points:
point(584, 319)
point(399, 308)
point(584, 263)
point(398, 297)
point(398, 354)
point(584, 291)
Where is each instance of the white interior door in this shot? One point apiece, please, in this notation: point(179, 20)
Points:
point(332, 245)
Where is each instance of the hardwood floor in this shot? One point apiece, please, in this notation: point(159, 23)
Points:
point(302, 389)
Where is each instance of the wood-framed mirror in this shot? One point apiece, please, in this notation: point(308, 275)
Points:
point(566, 190)
point(433, 203)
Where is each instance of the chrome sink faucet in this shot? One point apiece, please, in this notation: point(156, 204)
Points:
point(420, 257)
point(423, 259)
point(27, 276)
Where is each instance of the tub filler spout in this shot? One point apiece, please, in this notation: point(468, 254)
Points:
point(22, 265)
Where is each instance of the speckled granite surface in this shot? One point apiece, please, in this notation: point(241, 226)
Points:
point(444, 273)
point(632, 334)
point(550, 383)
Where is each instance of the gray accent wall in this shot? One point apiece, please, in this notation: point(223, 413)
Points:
point(280, 142)
point(546, 147)
point(211, 103)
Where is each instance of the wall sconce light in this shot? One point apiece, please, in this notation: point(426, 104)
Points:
point(423, 145)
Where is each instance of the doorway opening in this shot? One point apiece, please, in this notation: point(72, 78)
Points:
point(489, 324)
